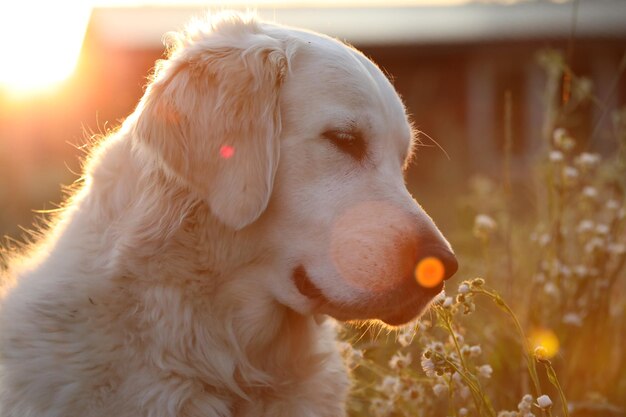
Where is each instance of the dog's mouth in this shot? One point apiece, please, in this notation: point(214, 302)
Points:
point(395, 308)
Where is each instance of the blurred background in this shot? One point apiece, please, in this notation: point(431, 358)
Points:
point(73, 69)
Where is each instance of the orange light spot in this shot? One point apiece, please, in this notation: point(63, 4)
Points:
point(429, 272)
point(227, 151)
point(545, 338)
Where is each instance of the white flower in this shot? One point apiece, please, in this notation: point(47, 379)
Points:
point(440, 389)
point(594, 245)
point(448, 302)
point(524, 406)
point(617, 248)
point(570, 176)
point(465, 392)
point(544, 402)
point(556, 156)
point(464, 288)
point(428, 366)
point(485, 371)
point(463, 412)
point(612, 205)
point(413, 393)
point(400, 361)
point(602, 229)
point(391, 386)
point(405, 336)
point(581, 271)
point(590, 192)
point(381, 408)
point(586, 161)
point(585, 226)
point(558, 134)
point(527, 399)
point(544, 239)
point(573, 319)
point(551, 289)
point(484, 226)
point(475, 351)
point(562, 140)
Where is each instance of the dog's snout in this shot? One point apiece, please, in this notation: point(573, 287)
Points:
point(444, 255)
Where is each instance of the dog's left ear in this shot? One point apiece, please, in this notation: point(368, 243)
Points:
point(210, 119)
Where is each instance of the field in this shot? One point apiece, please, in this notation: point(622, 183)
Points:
point(535, 322)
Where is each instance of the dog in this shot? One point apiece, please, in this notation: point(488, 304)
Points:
point(255, 193)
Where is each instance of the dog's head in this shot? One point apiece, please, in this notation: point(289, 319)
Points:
point(302, 139)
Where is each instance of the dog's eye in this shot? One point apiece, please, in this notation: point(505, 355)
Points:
point(347, 141)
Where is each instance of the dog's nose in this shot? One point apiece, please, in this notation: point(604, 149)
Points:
point(442, 256)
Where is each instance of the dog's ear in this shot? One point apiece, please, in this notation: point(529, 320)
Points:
point(210, 118)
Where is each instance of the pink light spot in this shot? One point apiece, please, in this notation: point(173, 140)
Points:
point(227, 151)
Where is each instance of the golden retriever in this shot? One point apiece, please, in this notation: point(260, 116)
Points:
point(256, 189)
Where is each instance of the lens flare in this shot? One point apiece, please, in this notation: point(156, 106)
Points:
point(429, 272)
point(226, 151)
point(545, 338)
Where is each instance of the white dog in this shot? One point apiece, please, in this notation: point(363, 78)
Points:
point(256, 189)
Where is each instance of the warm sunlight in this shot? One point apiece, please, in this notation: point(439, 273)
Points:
point(41, 43)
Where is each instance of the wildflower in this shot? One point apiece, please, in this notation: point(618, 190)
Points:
point(590, 192)
point(573, 319)
point(477, 282)
point(400, 361)
point(544, 240)
point(562, 140)
point(391, 386)
point(570, 176)
point(556, 156)
point(594, 245)
point(405, 336)
point(585, 226)
point(540, 353)
point(581, 271)
point(617, 248)
point(484, 226)
point(602, 229)
point(423, 325)
point(551, 289)
point(381, 408)
point(565, 271)
point(464, 288)
point(475, 351)
point(612, 205)
point(587, 161)
point(465, 392)
point(440, 389)
point(524, 406)
point(544, 402)
point(485, 371)
point(463, 412)
point(428, 366)
point(448, 302)
point(413, 392)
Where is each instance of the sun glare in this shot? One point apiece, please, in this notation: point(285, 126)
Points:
point(41, 43)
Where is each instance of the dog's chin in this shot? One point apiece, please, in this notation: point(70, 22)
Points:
point(394, 309)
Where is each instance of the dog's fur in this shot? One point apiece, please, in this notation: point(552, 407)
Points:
point(256, 189)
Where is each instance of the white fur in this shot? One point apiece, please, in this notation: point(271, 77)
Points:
point(165, 288)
